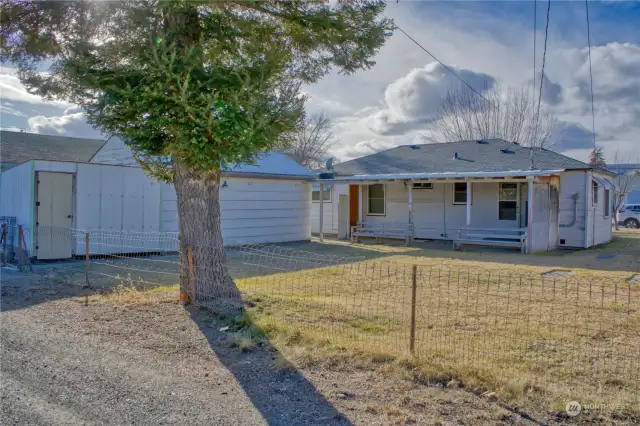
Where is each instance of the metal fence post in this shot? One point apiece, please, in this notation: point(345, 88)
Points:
point(86, 258)
point(412, 338)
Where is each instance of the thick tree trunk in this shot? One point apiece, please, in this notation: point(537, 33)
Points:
point(209, 283)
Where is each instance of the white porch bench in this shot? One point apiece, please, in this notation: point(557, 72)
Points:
point(516, 238)
point(398, 231)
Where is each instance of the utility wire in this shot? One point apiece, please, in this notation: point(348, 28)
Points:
point(452, 72)
point(535, 29)
point(544, 58)
point(593, 114)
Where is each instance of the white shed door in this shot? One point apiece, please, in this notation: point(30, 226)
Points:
point(55, 215)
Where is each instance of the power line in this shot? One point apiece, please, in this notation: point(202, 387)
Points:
point(544, 58)
point(593, 114)
point(535, 29)
point(452, 72)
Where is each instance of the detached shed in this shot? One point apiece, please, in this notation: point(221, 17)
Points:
point(267, 202)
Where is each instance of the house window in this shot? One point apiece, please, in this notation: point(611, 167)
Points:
point(508, 201)
point(376, 200)
point(460, 193)
point(422, 185)
point(326, 195)
point(607, 203)
point(594, 192)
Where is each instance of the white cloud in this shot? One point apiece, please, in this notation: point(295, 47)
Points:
point(12, 89)
point(71, 123)
point(394, 102)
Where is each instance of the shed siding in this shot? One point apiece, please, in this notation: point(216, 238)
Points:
point(17, 193)
point(255, 211)
point(115, 151)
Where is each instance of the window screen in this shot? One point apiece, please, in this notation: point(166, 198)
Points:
point(376, 199)
point(594, 191)
point(315, 195)
point(607, 203)
point(460, 193)
point(508, 201)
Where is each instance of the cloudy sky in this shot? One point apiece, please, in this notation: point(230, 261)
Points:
point(394, 102)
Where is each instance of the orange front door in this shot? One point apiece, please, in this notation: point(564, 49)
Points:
point(353, 205)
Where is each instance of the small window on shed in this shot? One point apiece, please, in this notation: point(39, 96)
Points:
point(594, 192)
point(607, 203)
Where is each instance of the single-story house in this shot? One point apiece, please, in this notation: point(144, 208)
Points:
point(50, 194)
point(479, 190)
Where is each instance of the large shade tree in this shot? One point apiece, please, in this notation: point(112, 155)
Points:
point(193, 86)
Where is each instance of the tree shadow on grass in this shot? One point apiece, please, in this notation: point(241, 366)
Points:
point(284, 396)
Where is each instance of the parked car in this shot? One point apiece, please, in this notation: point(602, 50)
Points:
point(629, 216)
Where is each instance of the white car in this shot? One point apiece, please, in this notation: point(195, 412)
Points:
point(629, 216)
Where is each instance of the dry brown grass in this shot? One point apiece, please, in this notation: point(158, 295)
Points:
point(486, 319)
point(546, 340)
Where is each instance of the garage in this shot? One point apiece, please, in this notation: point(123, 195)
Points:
point(56, 202)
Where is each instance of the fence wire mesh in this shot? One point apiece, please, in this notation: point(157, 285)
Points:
point(560, 335)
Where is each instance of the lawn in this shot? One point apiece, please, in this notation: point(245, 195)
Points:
point(489, 318)
point(537, 330)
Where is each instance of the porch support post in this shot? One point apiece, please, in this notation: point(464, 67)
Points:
point(469, 184)
point(360, 196)
point(529, 214)
point(321, 211)
point(410, 202)
point(411, 208)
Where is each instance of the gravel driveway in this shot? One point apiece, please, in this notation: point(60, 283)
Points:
point(66, 361)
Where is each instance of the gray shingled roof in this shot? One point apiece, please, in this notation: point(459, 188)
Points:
point(473, 157)
point(18, 147)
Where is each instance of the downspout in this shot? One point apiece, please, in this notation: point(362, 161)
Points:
point(574, 196)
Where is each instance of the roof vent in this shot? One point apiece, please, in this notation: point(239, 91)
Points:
point(482, 142)
point(507, 151)
point(456, 156)
point(414, 146)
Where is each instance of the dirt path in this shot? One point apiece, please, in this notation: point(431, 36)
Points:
point(67, 362)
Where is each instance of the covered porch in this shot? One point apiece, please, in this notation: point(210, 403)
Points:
point(503, 209)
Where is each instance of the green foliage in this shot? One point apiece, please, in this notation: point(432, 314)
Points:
point(596, 158)
point(203, 83)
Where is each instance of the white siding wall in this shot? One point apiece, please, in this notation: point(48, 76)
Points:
point(114, 151)
point(573, 182)
point(330, 224)
point(590, 227)
point(543, 231)
point(434, 214)
point(16, 198)
point(255, 211)
point(602, 230)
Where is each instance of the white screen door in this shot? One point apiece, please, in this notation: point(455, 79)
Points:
point(55, 215)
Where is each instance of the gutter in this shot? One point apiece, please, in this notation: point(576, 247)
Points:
point(308, 178)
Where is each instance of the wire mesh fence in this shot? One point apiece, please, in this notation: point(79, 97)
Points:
point(567, 337)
